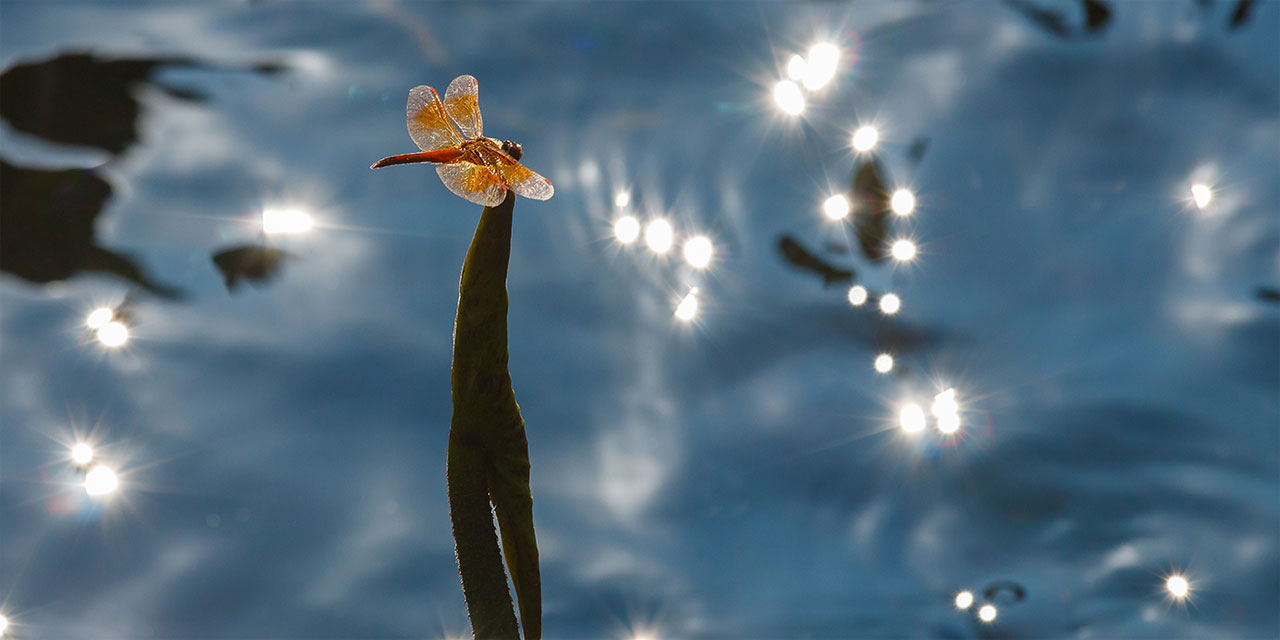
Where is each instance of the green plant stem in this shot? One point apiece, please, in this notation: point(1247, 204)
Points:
point(488, 451)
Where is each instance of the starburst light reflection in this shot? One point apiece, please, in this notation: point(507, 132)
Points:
point(820, 65)
point(1178, 586)
point(865, 138)
point(964, 599)
point(836, 207)
point(987, 613)
point(797, 67)
point(903, 250)
point(99, 317)
point(911, 417)
point(100, 481)
point(285, 221)
point(890, 304)
point(4, 624)
point(687, 310)
point(884, 363)
point(1201, 194)
point(787, 95)
point(81, 454)
point(626, 229)
point(622, 199)
point(659, 235)
point(698, 251)
point(903, 202)
point(858, 295)
point(113, 334)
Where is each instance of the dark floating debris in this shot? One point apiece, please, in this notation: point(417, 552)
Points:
point(915, 153)
point(801, 258)
point(1097, 15)
point(1268, 294)
point(1004, 592)
point(1244, 9)
point(871, 217)
point(47, 228)
point(254, 263)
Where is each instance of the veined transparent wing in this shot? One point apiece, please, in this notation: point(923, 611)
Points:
point(524, 181)
point(429, 125)
point(473, 182)
point(462, 101)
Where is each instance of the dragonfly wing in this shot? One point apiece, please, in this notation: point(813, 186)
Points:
point(429, 125)
point(525, 182)
point(473, 182)
point(462, 101)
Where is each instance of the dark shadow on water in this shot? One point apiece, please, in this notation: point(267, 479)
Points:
point(797, 256)
point(47, 230)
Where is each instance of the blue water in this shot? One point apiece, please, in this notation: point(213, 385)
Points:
point(281, 447)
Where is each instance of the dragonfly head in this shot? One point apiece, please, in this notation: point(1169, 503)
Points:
point(512, 149)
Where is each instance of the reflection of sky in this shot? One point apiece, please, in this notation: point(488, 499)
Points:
point(738, 476)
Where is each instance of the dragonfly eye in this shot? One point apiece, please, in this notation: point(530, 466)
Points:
point(512, 149)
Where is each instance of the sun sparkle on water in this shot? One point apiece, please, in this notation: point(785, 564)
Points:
point(987, 613)
point(626, 229)
point(698, 251)
point(1178, 586)
point(659, 235)
point(788, 97)
point(903, 202)
point(797, 67)
point(890, 304)
point(1201, 194)
point(858, 295)
point(622, 199)
point(836, 207)
point(687, 310)
point(964, 599)
point(285, 221)
point(903, 250)
point(82, 453)
point(100, 481)
point(113, 334)
point(820, 65)
point(912, 418)
point(99, 317)
point(865, 138)
point(884, 363)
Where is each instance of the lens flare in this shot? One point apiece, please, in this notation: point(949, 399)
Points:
point(836, 207)
point(820, 65)
point(100, 481)
point(4, 624)
point(964, 599)
point(285, 221)
point(99, 317)
point(687, 310)
point(788, 97)
point(912, 418)
point(865, 138)
point(903, 202)
point(890, 304)
point(903, 250)
point(113, 334)
point(1202, 195)
point(698, 251)
point(659, 235)
point(987, 613)
point(626, 229)
point(857, 295)
point(622, 199)
point(1178, 586)
point(82, 454)
point(884, 363)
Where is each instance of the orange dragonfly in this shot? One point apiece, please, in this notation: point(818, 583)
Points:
point(451, 134)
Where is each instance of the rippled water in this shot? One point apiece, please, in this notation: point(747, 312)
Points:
point(279, 432)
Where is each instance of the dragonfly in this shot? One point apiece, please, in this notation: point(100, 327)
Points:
point(451, 135)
